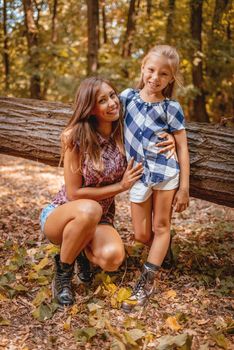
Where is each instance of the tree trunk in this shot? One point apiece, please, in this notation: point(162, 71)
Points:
point(54, 32)
point(170, 21)
point(104, 22)
point(32, 39)
point(31, 129)
point(199, 103)
point(5, 46)
point(129, 30)
point(93, 35)
point(148, 7)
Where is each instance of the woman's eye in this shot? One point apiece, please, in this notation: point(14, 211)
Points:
point(113, 95)
point(102, 101)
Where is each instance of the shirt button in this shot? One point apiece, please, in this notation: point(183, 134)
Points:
point(140, 133)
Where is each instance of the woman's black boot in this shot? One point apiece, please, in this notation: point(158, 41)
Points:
point(84, 274)
point(62, 282)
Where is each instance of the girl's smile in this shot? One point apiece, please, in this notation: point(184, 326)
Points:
point(157, 74)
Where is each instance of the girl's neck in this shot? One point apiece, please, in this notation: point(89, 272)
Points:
point(151, 97)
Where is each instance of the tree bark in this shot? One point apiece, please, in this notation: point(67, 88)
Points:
point(54, 31)
point(104, 22)
point(32, 39)
point(5, 47)
point(199, 103)
point(170, 21)
point(148, 7)
point(129, 30)
point(31, 129)
point(93, 35)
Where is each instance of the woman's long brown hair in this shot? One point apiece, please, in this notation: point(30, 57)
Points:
point(81, 131)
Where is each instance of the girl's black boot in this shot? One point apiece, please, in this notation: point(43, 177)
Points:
point(62, 282)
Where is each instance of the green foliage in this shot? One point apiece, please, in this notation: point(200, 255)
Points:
point(63, 62)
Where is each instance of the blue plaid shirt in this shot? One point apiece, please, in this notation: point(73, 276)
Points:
point(144, 122)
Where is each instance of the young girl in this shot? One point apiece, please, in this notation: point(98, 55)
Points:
point(164, 184)
point(95, 169)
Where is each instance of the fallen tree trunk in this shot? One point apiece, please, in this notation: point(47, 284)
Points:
point(31, 129)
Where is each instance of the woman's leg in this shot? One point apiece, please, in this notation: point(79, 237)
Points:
point(106, 248)
point(142, 220)
point(162, 208)
point(72, 226)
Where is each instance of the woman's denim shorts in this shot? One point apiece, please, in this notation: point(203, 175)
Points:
point(45, 213)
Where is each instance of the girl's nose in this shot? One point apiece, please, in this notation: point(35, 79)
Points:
point(155, 76)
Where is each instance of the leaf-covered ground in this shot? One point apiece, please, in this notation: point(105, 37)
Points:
point(192, 308)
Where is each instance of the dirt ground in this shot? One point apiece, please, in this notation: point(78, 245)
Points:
point(193, 305)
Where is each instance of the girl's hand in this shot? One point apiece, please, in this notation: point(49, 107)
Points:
point(168, 145)
point(181, 200)
point(131, 175)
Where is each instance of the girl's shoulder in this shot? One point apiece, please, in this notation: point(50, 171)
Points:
point(127, 93)
point(172, 105)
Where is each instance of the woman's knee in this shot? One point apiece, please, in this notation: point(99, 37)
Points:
point(89, 211)
point(111, 257)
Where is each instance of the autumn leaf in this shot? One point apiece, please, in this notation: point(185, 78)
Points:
point(172, 322)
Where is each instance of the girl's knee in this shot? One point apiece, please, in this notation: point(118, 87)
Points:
point(162, 228)
point(111, 258)
point(142, 237)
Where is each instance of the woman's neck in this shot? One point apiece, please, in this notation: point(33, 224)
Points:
point(104, 129)
point(151, 97)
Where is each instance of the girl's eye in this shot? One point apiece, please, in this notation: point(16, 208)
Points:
point(150, 70)
point(164, 74)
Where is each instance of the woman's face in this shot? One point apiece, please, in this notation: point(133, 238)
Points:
point(107, 106)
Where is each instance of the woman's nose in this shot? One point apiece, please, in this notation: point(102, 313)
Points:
point(111, 102)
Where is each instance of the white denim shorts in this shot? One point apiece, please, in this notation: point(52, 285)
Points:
point(139, 193)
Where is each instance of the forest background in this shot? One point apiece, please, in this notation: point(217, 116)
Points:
point(49, 46)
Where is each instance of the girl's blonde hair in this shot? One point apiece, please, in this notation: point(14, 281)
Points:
point(81, 131)
point(171, 54)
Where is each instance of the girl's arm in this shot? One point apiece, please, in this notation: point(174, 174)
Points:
point(73, 180)
point(181, 199)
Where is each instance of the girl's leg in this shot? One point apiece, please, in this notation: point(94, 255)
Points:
point(72, 226)
point(162, 208)
point(142, 220)
point(144, 288)
point(106, 248)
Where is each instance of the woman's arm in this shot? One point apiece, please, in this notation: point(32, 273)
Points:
point(73, 180)
point(181, 199)
point(168, 145)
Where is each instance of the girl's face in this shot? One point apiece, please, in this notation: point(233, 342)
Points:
point(156, 73)
point(107, 106)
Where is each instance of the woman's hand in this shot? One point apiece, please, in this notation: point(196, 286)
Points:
point(131, 175)
point(168, 145)
point(181, 200)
